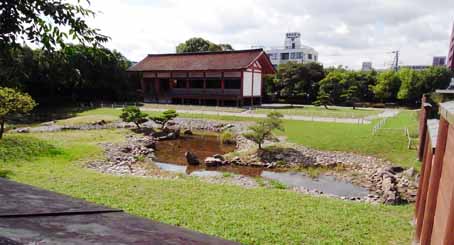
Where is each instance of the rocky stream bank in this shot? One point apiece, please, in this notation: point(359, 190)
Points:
point(386, 183)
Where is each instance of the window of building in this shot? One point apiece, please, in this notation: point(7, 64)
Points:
point(180, 83)
point(293, 45)
point(309, 56)
point(273, 56)
point(196, 83)
point(299, 55)
point(315, 57)
point(292, 56)
point(284, 56)
point(213, 83)
point(232, 83)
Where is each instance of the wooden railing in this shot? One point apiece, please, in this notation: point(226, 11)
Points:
point(204, 92)
point(434, 214)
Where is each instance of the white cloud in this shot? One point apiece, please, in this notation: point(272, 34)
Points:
point(344, 32)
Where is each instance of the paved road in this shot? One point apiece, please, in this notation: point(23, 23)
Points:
point(367, 120)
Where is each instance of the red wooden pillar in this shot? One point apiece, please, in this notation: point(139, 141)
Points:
point(241, 89)
point(157, 89)
point(434, 182)
point(449, 238)
point(143, 86)
point(252, 87)
point(423, 186)
point(222, 82)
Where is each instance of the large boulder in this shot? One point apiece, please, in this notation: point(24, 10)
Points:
point(219, 156)
point(213, 162)
point(191, 158)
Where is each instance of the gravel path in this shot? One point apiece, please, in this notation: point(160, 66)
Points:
point(367, 120)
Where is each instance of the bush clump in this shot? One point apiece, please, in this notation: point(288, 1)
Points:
point(227, 137)
point(16, 147)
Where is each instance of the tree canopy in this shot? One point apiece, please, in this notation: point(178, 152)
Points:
point(47, 22)
point(197, 44)
point(134, 115)
point(72, 74)
point(164, 117)
point(263, 129)
point(310, 83)
point(13, 102)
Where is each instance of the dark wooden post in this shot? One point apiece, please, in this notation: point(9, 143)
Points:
point(434, 183)
point(423, 114)
point(222, 82)
point(143, 86)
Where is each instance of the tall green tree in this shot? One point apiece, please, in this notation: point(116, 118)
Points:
point(331, 87)
point(46, 22)
point(409, 85)
point(351, 95)
point(297, 82)
point(198, 44)
point(13, 102)
point(74, 73)
point(387, 87)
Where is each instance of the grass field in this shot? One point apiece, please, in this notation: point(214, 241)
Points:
point(390, 145)
point(357, 138)
point(252, 216)
point(314, 111)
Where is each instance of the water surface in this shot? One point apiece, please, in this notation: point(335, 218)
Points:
point(170, 157)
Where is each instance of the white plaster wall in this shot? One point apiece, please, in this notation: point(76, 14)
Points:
point(247, 83)
point(257, 84)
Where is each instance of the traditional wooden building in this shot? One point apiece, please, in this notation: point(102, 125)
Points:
point(208, 78)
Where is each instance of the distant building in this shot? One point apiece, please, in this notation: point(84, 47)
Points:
point(439, 61)
point(416, 67)
point(451, 51)
point(292, 51)
point(208, 78)
point(367, 66)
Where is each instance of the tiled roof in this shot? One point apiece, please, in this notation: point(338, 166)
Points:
point(227, 60)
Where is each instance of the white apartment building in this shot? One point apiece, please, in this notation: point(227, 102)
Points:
point(292, 51)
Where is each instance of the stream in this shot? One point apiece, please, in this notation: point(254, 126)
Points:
point(170, 157)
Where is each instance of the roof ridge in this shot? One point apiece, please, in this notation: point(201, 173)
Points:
point(210, 52)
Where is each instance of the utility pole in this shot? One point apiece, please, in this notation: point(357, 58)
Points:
point(395, 64)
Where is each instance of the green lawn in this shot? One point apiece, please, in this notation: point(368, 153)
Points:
point(390, 145)
point(252, 216)
point(357, 138)
point(338, 112)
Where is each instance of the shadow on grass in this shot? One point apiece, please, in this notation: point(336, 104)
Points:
point(5, 173)
point(49, 113)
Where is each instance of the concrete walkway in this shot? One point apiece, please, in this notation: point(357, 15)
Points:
point(30, 215)
point(366, 120)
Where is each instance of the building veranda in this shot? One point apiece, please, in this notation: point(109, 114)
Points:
point(233, 78)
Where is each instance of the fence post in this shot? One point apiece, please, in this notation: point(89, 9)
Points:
point(434, 182)
point(423, 115)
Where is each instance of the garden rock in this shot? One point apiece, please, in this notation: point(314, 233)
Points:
point(191, 158)
point(213, 162)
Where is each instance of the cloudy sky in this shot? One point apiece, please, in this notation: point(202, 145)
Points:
point(344, 32)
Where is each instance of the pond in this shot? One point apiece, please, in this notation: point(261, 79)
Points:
point(170, 156)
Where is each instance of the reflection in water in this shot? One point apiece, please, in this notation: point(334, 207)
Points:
point(201, 145)
point(325, 183)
